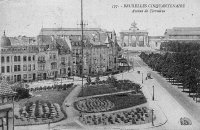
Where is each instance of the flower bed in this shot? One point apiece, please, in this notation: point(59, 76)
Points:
point(139, 115)
point(39, 112)
point(111, 102)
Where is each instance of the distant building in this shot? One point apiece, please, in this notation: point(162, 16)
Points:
point(182, 34)
point(134, 37)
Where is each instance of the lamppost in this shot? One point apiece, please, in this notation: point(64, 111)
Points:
point(122, 76)
point(142, 77)
point(152, 117)
point(153, 93)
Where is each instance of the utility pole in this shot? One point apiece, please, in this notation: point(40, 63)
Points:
point(82, 40)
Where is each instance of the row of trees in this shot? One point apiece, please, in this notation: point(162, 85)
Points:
point(178, 67)
point(178, 46)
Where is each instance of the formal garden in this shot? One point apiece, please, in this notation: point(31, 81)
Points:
point(112, 102)
point(44, 104)
point(179, 65)
point(134, 116)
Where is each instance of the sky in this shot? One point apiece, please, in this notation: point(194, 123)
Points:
point(26, 17)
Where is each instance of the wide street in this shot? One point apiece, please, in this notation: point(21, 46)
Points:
point(174, 103)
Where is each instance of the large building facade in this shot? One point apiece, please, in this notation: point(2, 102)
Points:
point(100, 49)
point(28, 59)
point(58, 53)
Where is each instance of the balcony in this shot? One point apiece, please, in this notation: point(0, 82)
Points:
point(41, 61)
point(63, 64)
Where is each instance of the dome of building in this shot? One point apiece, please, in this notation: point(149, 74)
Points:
point(5, 41)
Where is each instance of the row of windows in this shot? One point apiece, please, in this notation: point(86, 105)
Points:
point(28, 67)
point(52, 56)
point(3, 69)
point(17, 68)
point(17, 58)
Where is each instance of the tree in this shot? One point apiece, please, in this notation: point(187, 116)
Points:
point(22, 93)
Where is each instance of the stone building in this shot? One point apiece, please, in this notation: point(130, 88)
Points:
point(28, 59)
point(18, 58)
point(100, 48)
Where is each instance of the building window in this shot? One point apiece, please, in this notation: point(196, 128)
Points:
point(2, 69)
point(29, 58)
point(30, 76)
point(29, 67)
point(25, 76)
point(24, 68)
point(15, 58)
point(34, 67)
point(41, 67)
point(8, 69)
point(53, 65)
point(62, 59)
point(18, 68)
point(24, 58)
point(8, 59)
point(33, 58)
point(54, 56)
point(15, 68)
point(2, 59)
point(18, 58)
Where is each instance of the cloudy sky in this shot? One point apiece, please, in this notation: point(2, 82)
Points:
point(26, 17)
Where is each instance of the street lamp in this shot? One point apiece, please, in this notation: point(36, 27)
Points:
point(153, 93)
point(152, 117)
point(142, 77)
point(122, 76)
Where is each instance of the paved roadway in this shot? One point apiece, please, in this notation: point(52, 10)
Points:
point(183, 105)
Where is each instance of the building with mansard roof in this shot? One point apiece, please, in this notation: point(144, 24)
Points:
point(100, 48)
point(28, 58)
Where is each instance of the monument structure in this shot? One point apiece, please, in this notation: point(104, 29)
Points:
point(134, 37)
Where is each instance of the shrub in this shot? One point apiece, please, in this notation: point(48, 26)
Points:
point(22, 93)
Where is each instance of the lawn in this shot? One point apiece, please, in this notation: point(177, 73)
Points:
point(51, 96)
point(97, 90)
point(105, 88)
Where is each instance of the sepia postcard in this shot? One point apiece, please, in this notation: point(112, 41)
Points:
point(99, 64)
